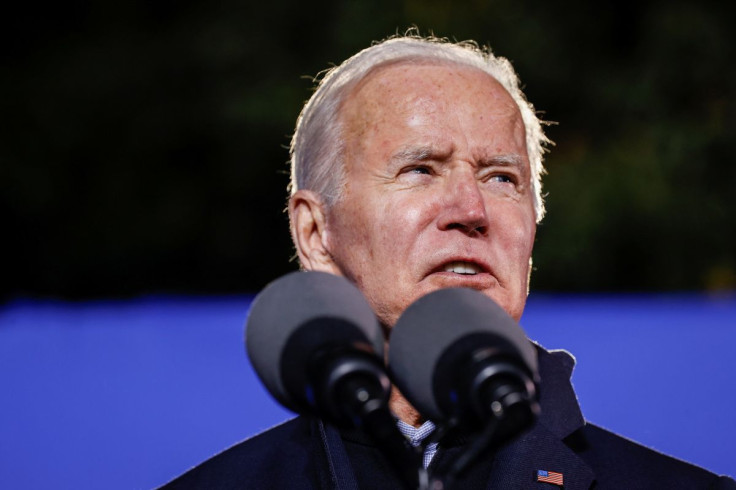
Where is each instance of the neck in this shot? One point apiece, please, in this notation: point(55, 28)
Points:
point(403, 409)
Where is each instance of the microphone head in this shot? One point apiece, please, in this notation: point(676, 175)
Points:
point(429, 333)
point(298, 315)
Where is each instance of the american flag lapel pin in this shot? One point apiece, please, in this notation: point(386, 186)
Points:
point(549, 477)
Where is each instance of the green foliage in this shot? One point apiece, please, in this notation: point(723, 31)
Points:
point(143, 144)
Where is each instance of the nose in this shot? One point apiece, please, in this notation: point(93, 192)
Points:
point(463, 206)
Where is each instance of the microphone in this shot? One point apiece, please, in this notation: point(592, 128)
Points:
point(464, 363)
point(317, 346)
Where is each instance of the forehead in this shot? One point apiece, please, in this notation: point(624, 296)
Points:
point(427, 75)
point(445, 95)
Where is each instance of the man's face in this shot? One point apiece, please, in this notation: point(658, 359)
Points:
point(438, 189)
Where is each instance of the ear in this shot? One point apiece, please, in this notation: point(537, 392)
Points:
point(307, 219)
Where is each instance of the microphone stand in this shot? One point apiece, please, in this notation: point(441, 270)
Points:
point(504, 401)
point(379, 423)
point(355, 391)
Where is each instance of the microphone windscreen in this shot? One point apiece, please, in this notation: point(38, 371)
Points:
point(432, 325)
point(315, 308)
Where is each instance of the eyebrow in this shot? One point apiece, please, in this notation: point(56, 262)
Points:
point(421, 154)
point(505, 160)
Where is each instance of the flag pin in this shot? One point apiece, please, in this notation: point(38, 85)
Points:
point(549, 477)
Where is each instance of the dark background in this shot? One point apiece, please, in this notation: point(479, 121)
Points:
point(143, 144)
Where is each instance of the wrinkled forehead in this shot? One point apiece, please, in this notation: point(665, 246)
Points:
point(377, 90)
point(407, 64)
point(399, 96)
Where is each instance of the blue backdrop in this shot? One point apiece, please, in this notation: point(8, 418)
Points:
point(128, 394)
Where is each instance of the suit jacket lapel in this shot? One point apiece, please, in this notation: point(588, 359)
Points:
point(543, 447)
point(516, 465)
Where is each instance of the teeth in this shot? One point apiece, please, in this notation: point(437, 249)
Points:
point(462, 268)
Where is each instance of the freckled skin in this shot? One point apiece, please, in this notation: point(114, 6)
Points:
point(392, 227)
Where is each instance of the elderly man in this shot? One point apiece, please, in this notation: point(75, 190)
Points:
point(416, 166)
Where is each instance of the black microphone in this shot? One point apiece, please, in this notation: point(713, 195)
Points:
point(316, 344)
point(464, 363)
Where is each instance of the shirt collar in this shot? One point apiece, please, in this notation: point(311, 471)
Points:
point(415, 435)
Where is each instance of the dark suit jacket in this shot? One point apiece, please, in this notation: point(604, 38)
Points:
point(305, 453)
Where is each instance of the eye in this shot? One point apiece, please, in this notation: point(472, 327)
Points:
point(418, 170)
point(421, 170)
point(507, 179)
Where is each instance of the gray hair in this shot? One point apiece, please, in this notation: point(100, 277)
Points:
point(317, 146)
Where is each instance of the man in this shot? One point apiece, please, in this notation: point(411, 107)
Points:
point(416, 166)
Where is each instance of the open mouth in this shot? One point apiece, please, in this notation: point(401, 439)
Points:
point(465, 268)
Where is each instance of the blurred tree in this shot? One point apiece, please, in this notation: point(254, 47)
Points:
point(143, 145)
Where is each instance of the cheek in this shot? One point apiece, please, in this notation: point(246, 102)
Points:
point(517, 229)
point(347, 237)
point(413, 216)
point(404, 223)
point(524, 241)
point(387, 234)
point(365, 234)
point(418, 208)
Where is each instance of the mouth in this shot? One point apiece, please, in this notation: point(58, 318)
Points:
point(462, 267)
point(463, 271)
